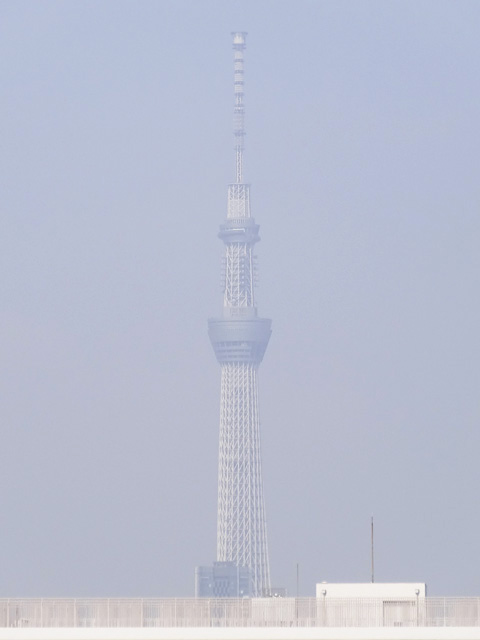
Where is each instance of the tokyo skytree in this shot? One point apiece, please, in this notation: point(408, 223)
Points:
point(240, 339)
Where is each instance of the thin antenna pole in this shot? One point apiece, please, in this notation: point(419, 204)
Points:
point(239, 45)
point(298, 578)
point(372, 551)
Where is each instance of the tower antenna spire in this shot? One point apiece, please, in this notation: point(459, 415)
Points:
point(239, 44)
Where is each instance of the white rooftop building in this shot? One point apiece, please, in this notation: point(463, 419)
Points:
point(384, 590)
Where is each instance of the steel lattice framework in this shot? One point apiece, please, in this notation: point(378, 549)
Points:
point(239, 339)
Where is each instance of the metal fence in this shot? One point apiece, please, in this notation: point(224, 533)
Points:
point(246, 612)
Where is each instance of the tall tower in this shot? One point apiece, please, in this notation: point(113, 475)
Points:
point(239, 340)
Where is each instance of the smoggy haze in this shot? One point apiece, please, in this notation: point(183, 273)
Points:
point(362, 149)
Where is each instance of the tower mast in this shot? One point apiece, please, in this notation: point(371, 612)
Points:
point(239, 108)
point(239, 339)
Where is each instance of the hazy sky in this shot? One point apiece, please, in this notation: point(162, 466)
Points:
point(363, 153)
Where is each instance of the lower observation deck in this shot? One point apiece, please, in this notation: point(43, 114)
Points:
point(240, 340)
point(240, 619)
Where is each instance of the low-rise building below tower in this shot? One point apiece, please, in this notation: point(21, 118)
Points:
point(222, 580)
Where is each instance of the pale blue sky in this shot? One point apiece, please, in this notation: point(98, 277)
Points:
point(363, 153)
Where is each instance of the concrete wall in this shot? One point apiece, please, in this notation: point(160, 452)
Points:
point(410, 633)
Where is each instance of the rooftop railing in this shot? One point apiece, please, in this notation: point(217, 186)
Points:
point(246, 612)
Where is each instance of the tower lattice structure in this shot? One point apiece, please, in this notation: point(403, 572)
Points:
point(240, 339)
